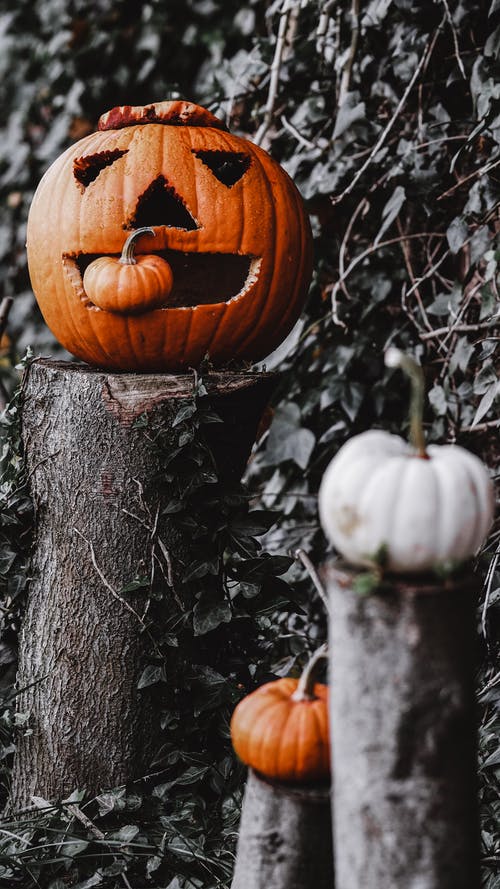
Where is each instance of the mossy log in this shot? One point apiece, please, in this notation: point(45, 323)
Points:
point(403, 732)
point(93, 473)
point(285, 837)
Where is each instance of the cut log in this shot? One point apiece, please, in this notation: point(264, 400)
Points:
point(93, 474)
point(285, 837)
point(403, 733)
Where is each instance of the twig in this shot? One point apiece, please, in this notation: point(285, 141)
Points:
point(460, 328)
point(347, 68)
point(322, 28)
point(170, 574)
point(387, 129)
point(306, 143)
point(428, 273)
point(455, 39)
point(476, 174)
point(489, 685)
point(285, 12)
point(373, 249)
point(482, 427)
point(82, 818)
point(301, 556)
point(409, 268)
point(106, 582)
point(5, 307)
point(343, 247)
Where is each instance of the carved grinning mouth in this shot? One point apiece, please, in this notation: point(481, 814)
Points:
point(199, 278)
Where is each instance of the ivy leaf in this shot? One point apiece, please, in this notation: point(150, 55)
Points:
point(391, 211)
point(184, 413)
point(486, 402)
point(437, 398)
point(456, 234)
point(209, 613)
point(288, 440)
point(151, 675)
point(350, 112)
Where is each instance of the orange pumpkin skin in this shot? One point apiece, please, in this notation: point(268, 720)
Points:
point(281, 738)
point(240, 251)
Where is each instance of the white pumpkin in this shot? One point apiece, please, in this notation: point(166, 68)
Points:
point(425, 507)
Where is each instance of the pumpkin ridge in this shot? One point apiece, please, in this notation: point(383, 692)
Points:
point(215, 329)
point(224, 319)
point(287, 769)
point(259, 308)
point(485, 504)
point(277, 716)
point(305, 249)
point(60, 284)
point(442, 468)
point(321, 719)
point(244, 720)
point(397, 499)
point(186, 338)
point(401, 499)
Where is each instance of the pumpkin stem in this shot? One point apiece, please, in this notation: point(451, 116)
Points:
point(395, 358)
point(127, 257)
point(305, 688)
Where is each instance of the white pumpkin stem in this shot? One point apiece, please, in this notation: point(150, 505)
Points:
point(305, 688)
point(127, 257)
point(395, 358)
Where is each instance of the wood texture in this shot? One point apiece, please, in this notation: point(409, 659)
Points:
point(97, 522)
point(285, 838)
point(403, 734)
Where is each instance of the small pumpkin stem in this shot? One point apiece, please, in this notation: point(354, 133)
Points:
point(305, 688)
point(395, 358)
point(127, 257)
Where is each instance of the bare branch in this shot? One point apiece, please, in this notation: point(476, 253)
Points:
point(285, 13)
point(5, 307)
point(301, 556)
point(424, 60)
point(373, 249)
point(347, 69)
point(460, 328)
point(106, 582)
point(455, 39)
point(475, 175)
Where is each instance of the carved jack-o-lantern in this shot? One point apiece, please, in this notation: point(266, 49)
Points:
point(225, 233)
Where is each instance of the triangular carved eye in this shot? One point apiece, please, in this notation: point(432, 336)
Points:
point(86, 169)
point(161, 205)
point(227, 166)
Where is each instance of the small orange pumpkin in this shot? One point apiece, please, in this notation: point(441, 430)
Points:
point(129, 285)
point(281, 729)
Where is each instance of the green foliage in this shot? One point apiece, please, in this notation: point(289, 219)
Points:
point(388, 120)
point(179, 822)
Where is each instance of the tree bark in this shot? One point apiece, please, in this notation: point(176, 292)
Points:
point(403, 733)
point(285, 838)
point(98, 525)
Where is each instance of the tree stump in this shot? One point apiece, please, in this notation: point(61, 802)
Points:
point(98, 517)
point(285, 838)
point(403, 733)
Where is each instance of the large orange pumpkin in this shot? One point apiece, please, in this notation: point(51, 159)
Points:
point(226, 218)
point(281, 729)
